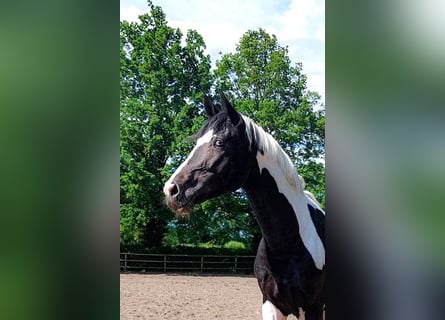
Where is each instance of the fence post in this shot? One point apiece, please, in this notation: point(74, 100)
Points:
point(202, 264)
point(165, 263)
point(236, 263)
point(125, 261)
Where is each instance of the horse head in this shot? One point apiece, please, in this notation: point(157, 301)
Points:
point(219, 162)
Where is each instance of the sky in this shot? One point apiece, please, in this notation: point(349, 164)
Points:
point(297, 24)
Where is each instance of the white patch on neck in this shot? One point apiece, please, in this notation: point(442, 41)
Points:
point(204, 139)
point(270, 312)
point(298, 200)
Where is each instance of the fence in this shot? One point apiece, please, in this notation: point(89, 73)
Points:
point(142, 262)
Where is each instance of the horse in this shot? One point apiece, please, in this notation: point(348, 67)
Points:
point(233, 152)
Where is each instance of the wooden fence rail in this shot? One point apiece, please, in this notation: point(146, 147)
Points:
point(143, 262)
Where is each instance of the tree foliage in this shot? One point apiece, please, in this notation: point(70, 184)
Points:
point(163, 80)
point(265, 86)
point(162, 85)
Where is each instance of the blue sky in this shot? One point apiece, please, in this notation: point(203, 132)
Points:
point(298, 24)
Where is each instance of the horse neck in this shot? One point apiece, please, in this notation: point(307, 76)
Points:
point(281, 210)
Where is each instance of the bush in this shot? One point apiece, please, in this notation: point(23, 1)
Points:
point(236, 245)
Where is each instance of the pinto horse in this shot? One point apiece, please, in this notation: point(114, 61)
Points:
point(233, 152)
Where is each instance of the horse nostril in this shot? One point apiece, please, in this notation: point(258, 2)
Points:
point(172, 189)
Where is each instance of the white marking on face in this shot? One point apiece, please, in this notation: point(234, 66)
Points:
point(204, 139)
point(270, 312)
point(298, 201)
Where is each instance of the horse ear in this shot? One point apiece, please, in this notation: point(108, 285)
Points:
point(209, 107)
point(229, 109)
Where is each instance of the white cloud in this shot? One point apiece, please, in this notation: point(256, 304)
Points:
point(298, 24)
point(301, 20)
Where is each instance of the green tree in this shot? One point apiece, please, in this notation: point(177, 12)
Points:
point(265, 86)
point(162, 86)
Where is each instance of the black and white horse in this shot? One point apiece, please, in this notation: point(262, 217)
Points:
point(232, 151)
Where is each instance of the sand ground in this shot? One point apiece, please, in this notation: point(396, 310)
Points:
point(189, 297)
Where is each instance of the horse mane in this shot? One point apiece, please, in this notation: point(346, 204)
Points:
point(269, 147)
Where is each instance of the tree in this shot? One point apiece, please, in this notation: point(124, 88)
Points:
point(265, 86)
point(162, 85)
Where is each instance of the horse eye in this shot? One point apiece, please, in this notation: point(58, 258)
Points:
point(219, 143)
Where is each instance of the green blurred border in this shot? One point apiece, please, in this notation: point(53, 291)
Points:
point(59, 167)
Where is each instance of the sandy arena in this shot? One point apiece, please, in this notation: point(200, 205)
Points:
point(189, 297)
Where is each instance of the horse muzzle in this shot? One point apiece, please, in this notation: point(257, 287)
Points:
point(176, 200)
